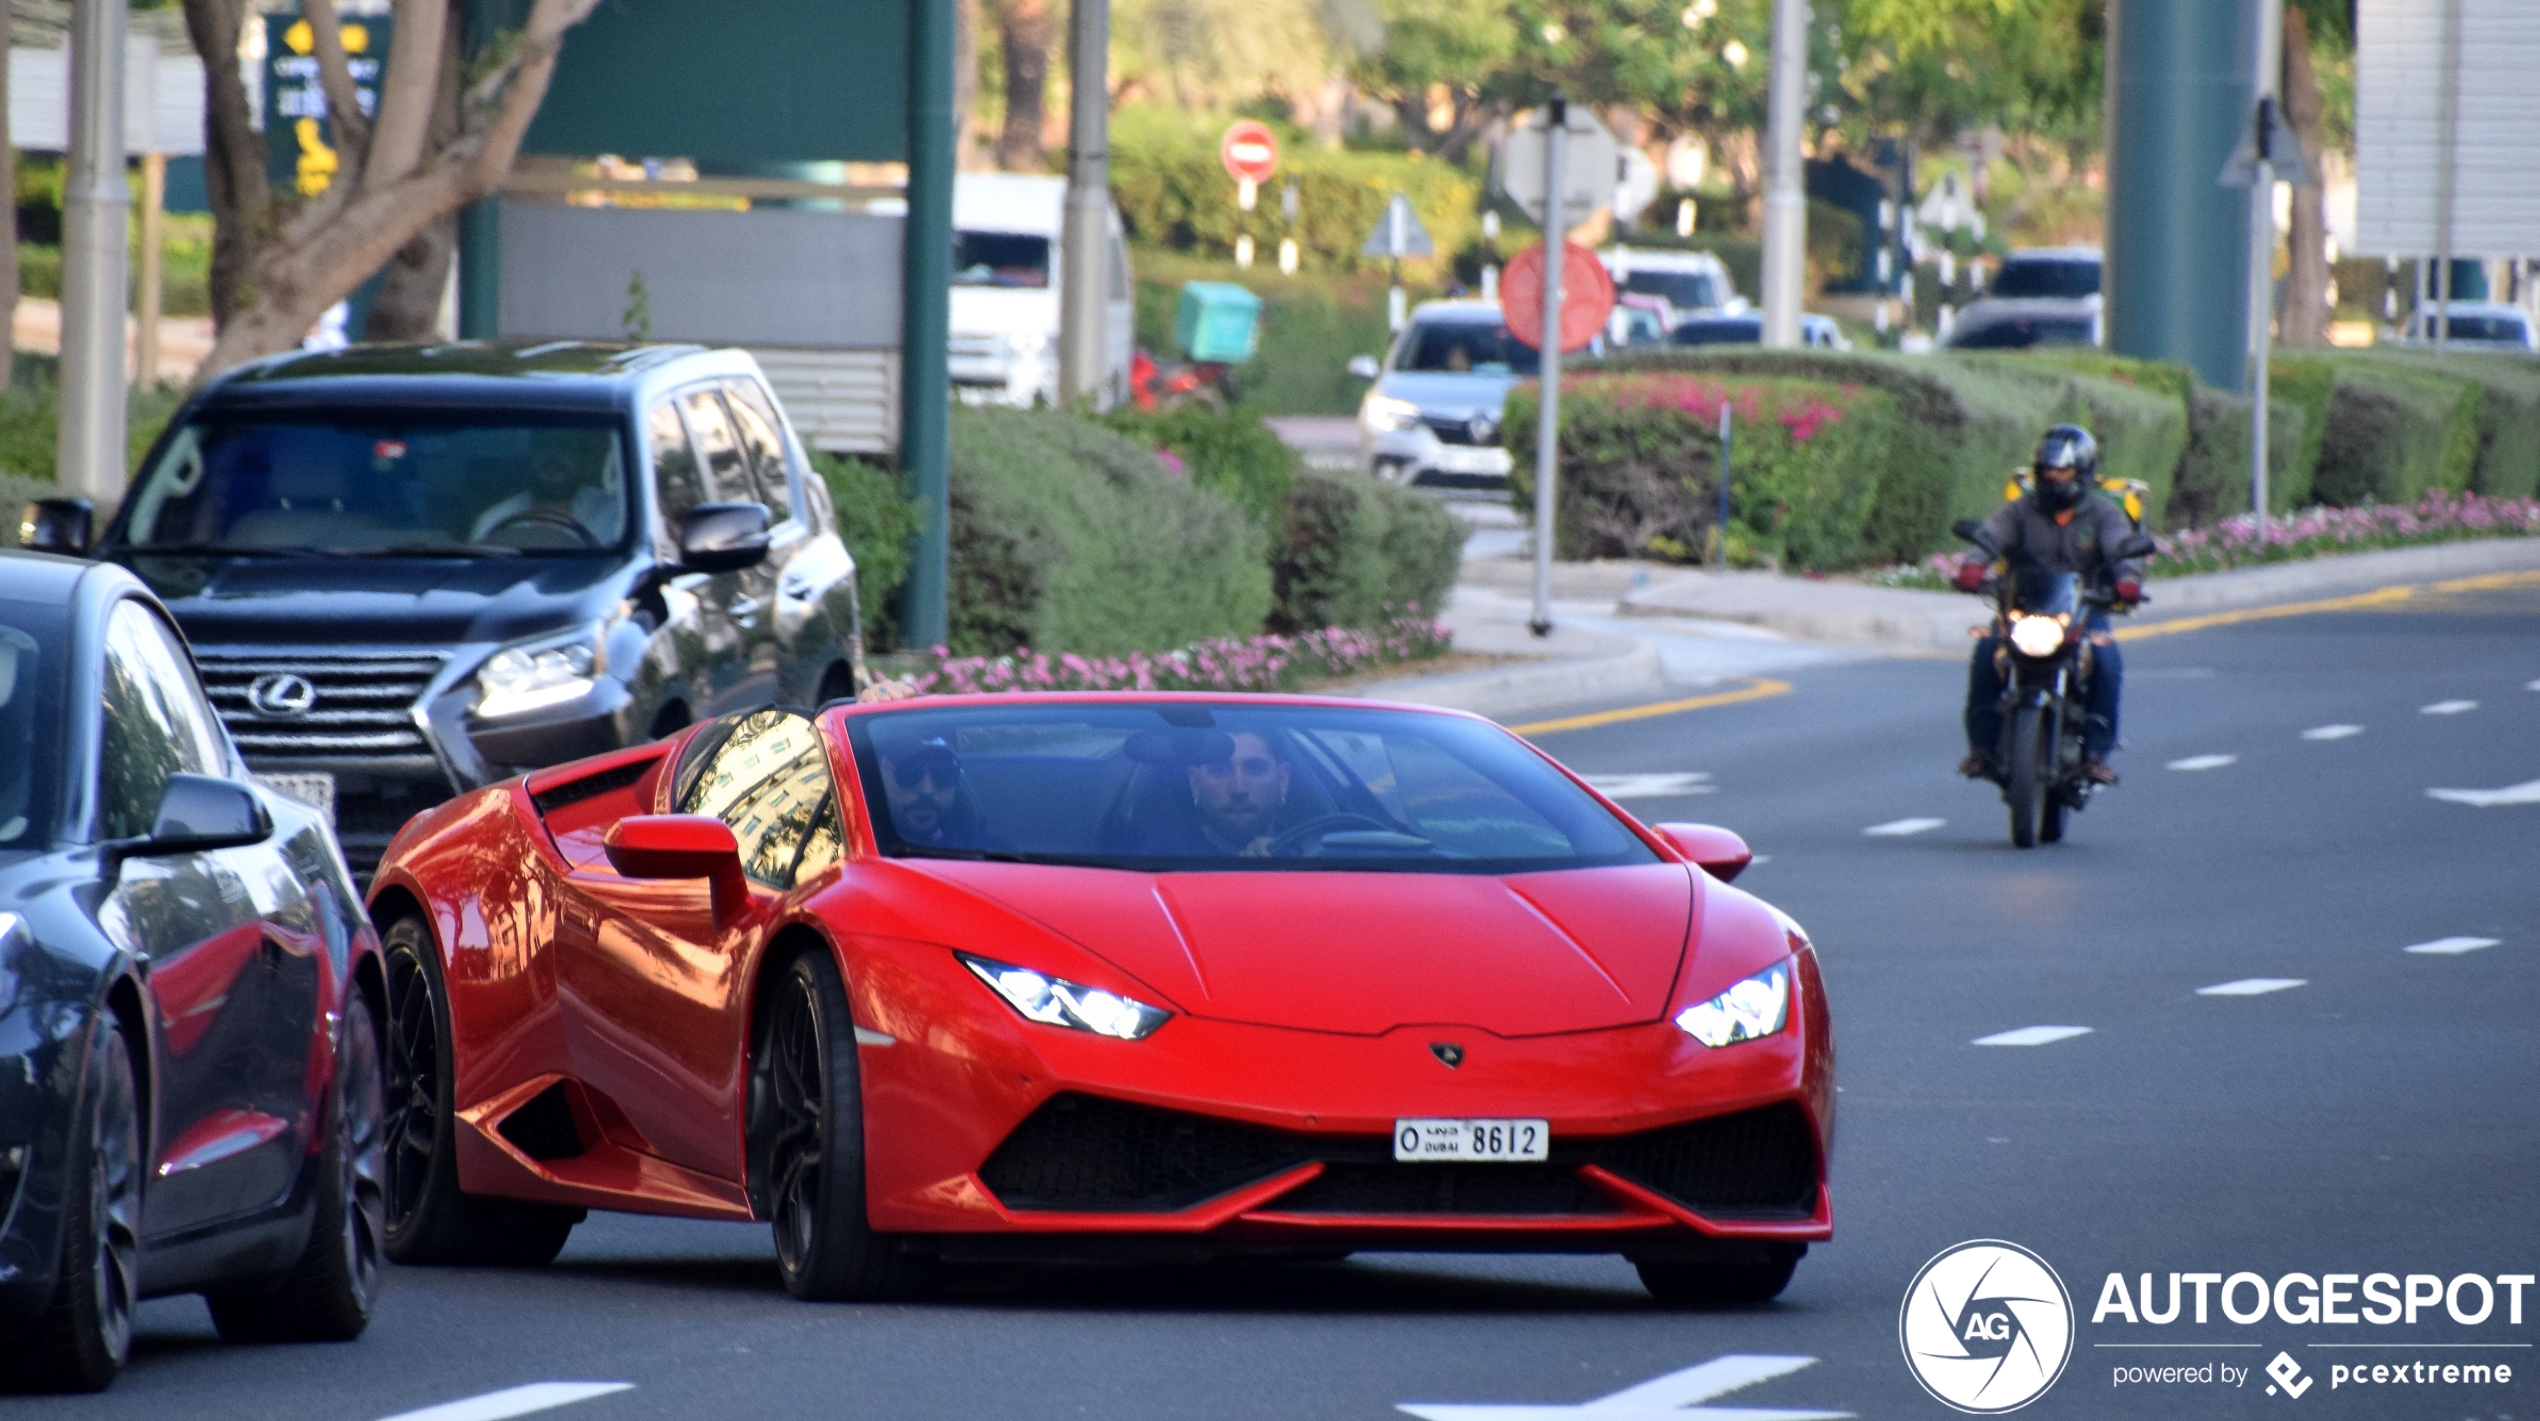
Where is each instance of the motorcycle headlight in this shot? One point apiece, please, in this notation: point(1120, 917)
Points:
point(1058, 1002)
point(535, 675)
point(1748, 1011)
point(2036, 636)
point(1386, 412)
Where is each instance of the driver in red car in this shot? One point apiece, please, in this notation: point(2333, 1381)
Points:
point(1240, 795)
point(561, 491)
point(928, 807)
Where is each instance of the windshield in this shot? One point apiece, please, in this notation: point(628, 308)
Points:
point(31, 715)
point(1185, 787)
point(2046, 594)
point(2065, 279)
point(1000, 259)
point(1465, 346)
point(1685, 290)
point(384, 482)
point(2021, 332)
point(2461, 327)
point(1720, 333)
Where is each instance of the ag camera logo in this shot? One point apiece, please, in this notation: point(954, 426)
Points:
point(1986, 1327)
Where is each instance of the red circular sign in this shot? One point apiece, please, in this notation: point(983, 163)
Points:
point(1587, 294)
point(1249, 150)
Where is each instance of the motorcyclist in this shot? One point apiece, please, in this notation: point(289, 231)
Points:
point(2062, 524)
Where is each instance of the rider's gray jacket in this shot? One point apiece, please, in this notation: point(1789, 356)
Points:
point(2078, 542)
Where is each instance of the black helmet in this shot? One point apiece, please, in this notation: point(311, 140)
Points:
point(2066, 446)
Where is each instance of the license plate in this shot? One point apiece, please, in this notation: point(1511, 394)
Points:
point(1473, 461)
point(1511, 1140)
point(315, 789)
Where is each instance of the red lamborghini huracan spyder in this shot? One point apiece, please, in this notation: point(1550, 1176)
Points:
point(1098, 976)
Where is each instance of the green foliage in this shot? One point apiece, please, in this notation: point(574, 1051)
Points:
point(1236, 456)
point(1066, 535)
point(2213, 477)
point(2394, 432)
point(2509, 414)
point(1173, 192)
point(16, 492)
point(1353, 552)
point(1310, 327)
point(2306, 386)
point(876, 520)
point(30, 425)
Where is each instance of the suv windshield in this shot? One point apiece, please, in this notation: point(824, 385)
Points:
point(1685, 290)
point(2021, 332)
point(1465, 347)
point(1188, 787)
point(1000, 259)
point(384, 482)
point(31, 717)
point(2461, 326)
point(2062, 278)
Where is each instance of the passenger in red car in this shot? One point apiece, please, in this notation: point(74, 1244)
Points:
point(1240, 795)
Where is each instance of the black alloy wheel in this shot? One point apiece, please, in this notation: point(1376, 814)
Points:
point(1722, 1285)
point(426, 1219)
point(807, 1145)
point(2024, 781)
point(84, 1336)
point(327, 1296)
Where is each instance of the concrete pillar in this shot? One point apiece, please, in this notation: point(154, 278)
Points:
point(96, 260)
point(926, 319)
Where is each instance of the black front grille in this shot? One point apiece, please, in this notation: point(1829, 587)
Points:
point(363, 708)
point(1084, 1152)
point(1385, 1187)
point(1460, 431)
point(1757, 1164)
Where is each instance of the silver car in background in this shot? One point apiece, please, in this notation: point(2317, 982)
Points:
point(1433, 415)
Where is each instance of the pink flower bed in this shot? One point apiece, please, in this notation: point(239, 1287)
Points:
point(1257, 663)
point(2311, 532)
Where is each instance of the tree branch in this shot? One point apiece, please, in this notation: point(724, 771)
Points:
point(343, 97)
point(407, 92)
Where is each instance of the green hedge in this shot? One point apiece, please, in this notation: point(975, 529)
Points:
point(30, 425)
point(1067, 536)
point(2394, 432)
point(1173, 190)
point(2508, 463)
point(1310, 326)
point(2308, 386)
point(1353, 552)
point(1234, 456)
point(876, 520)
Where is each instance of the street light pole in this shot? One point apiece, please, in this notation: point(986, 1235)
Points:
point(96, 208)
point(2270, 20)
point(1556, 255)
point(1084, 294)
point(1786, 198)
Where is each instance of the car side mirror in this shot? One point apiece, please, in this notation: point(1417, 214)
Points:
point(200, 812)
point(723, 537)
point(682, 846)
point(1364, 367)
point(1719, 852)
point(57, 525)
point(2138, 546)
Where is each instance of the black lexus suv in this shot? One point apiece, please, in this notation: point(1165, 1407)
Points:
point(411, 570)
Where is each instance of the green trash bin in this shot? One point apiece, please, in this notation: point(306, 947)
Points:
point(1218, 322)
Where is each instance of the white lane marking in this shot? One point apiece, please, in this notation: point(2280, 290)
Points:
point(1677, 1396)
point(1897, 828)
point(2332, 732)
point(1655, 786)
point(2252, 986)
point(2531, 685)
point(2447, 708)
point(2204, 762)
point(2032, 1036)
point(2452, 946)
point(866, 1037)
point(2528, 792)
point(513, 1401)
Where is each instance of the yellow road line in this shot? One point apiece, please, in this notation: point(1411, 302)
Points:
point(1758, 689)
point(2363, 601)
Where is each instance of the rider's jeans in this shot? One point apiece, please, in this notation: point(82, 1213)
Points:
point(2107, 683)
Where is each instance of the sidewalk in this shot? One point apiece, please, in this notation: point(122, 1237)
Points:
point(183, 340)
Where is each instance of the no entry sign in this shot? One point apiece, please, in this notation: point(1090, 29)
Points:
point(1249, 151)
point(1587, 294)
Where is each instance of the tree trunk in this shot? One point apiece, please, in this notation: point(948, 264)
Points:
point(233, 153)
point(9, 188)
point(1026, 30)
point(965, 83)
point(408, 306)
point(2306, 312)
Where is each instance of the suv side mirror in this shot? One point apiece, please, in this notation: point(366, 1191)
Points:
point(57, 525)
point(1720, 853)
point(723, 537)
point(1364, 367)
point(199, 812)
point(682, 846)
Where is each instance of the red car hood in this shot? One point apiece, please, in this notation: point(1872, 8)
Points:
point(1363, 953)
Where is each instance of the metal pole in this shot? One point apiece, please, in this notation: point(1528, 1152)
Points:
point(1721, 533)
point(154, 201)
point(1786, 199)
point(925, 319)
point(1084, 295)
point(2270, 18)
point(1556, 255)
point(96, 211)
point(2446, 174)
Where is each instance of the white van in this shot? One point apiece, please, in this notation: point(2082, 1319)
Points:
point(1007, 255)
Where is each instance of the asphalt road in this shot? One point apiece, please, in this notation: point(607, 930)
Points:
point(2378, 1117)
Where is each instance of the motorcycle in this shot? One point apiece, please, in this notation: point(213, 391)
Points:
point(2042, 621)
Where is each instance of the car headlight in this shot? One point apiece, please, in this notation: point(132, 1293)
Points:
point(1748, 1011)
point(1386, 412)
point(2037, 636)
point(519, 679)
point(1058, 1002)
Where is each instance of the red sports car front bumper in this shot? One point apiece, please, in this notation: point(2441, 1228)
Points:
point(1235, 1136)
